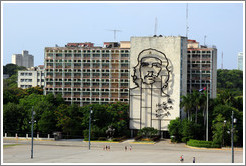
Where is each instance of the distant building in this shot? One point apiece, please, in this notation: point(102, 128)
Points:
point(23, 59)
point(32, 77)
point(202, 67)
point(85, 74)
point(240, 61)
point(5, 76)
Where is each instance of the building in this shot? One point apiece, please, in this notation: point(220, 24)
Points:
point(32, 77)
point(84, 74)
point(23, 59)
point(5, 76)
point(240, 61)
point(158, 70)
point(202, 68)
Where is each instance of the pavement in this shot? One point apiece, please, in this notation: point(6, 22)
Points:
point(76, 151)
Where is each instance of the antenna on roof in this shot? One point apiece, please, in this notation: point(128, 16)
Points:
point(155, 26)
point(114, 30)
point(187, 27)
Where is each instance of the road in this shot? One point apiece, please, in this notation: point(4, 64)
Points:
point(77, 152)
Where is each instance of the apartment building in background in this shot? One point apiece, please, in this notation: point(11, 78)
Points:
point(240, 61)
point(32, 77)
point(202, 67)
point(23, 59)
point(86, 74)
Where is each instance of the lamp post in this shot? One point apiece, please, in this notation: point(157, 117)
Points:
point(90, 128)
point(33, 113)
point(223, 133)
point(233, 120)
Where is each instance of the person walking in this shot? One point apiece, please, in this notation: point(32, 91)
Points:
point(130, 147)
point(125, 148)
point(181, 158)
point(194, 159)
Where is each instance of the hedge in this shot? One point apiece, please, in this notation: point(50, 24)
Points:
point(205, 144)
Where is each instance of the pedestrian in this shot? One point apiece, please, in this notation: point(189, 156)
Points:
point(109, 148)
point(181, 158)
point(125, 148)
point(194, 159)
point(130, 148)
point(106, 147)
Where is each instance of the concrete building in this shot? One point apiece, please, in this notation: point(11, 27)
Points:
point(158, 70)
point(23, 59)
point(32, 77)
point(83, 73)
point(202, 68)
point(240, 61)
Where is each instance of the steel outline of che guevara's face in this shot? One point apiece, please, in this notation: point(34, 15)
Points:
point(150, 67)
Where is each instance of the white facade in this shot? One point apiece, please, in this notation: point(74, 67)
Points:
point(23, 59)
point(158, 70)
point(240, 61)
point(31, 78)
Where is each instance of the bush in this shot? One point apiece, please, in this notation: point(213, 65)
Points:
point(102, 139)
point(138, 138)
point(155, 138)
point(205, 144)
point(116, 139)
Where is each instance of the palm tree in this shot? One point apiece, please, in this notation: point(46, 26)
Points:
point(186, 103)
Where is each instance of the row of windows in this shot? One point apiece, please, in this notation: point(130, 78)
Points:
point(88, 51)
point(86, 61)
point(88, 55)
point(88, 90)
point(50, 71)
point(26, 80)
point(26, 74)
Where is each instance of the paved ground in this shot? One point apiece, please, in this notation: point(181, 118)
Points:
point(77, 152)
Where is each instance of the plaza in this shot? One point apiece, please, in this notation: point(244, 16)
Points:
point(77, 152)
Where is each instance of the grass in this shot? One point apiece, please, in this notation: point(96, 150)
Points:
point(5, 146)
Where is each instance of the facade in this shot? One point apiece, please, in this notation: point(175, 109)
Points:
point(23, 59)
point(31, 78)
point(158, 70)
point(84, 74)
point(202, 68)
point(240, 61)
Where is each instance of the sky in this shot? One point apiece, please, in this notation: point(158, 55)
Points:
point(34, 26)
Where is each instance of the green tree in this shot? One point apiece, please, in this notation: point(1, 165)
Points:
point(13, 118)
point(186, 103)
point(175, 130)
point(12, 69)
point(148, 132)
point(220, 130)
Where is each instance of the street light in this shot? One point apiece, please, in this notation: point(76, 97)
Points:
point(90, 128)
point(33, 113)
point(233, 120)
point(223, 133)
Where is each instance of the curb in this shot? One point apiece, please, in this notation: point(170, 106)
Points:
point(235, 149)
point(102, 141)
point(26, 139)
point(142, 142)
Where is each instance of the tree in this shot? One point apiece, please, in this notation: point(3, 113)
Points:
point(175, 130)
point(13, 118)
point(186, 103)
point(220, 130)
point(12, 69)
point(148, 132)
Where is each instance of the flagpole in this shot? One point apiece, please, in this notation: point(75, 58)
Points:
point(207, 116)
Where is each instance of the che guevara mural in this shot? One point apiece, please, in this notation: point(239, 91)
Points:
point(153, 99)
